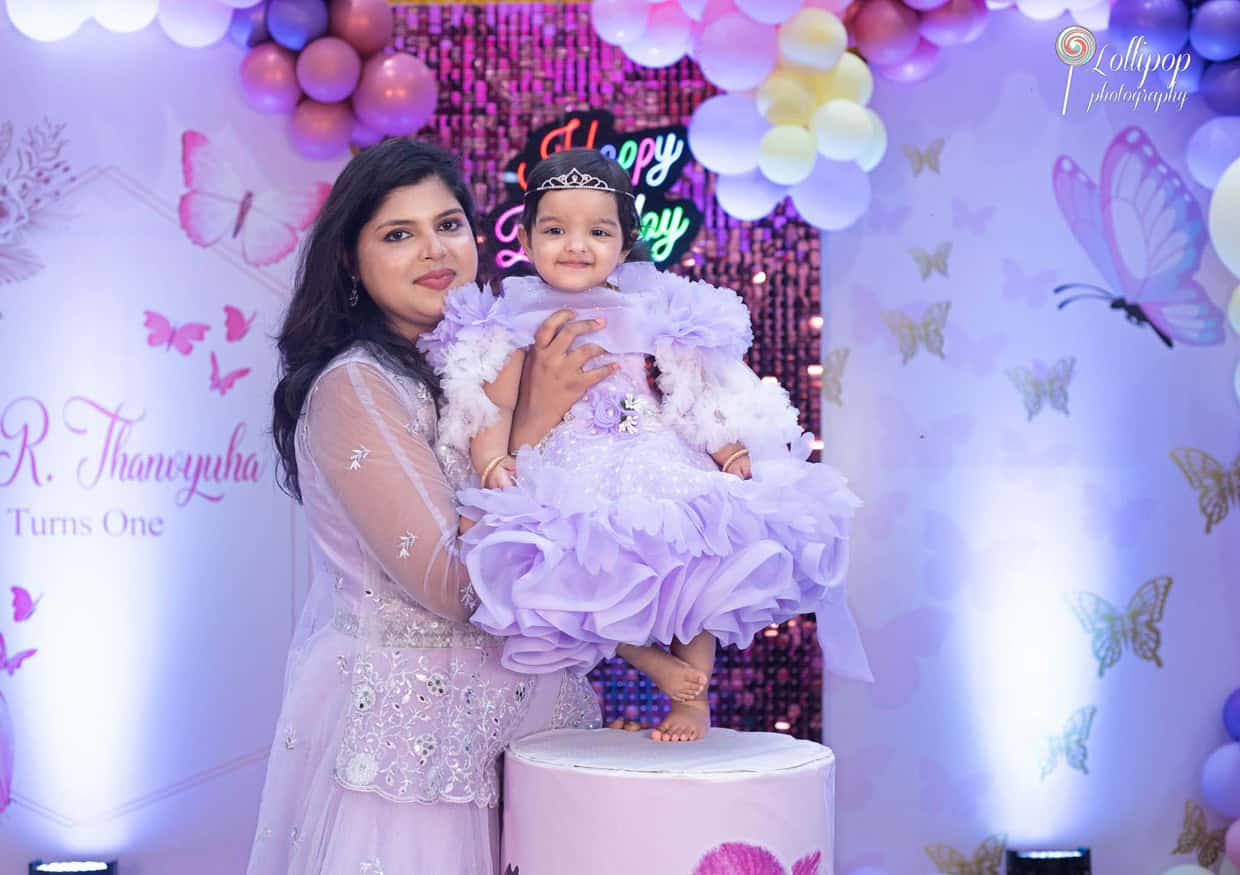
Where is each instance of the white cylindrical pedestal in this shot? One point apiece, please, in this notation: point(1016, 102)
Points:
point(608, 802)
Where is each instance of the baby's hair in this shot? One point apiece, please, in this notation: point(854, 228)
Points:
point(594, 163)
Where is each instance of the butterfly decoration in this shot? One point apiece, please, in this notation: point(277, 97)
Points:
point(1208, 843)
point(733, 857)
point(931, 262)
point(236, 325)
point(1217, 487)
point(1043, 384)
point(881, 220)
point(220, 205)
point(964, 219)
point(1136, 627)
point(920, 159)
point(986, 860)
point(23, 604)
point(181, 338)
point(225, 383)
point(927, 331)
point(12, 663)
point(833, 374)
point(1022, 286)
point(1070, 743)
point(1145, 233)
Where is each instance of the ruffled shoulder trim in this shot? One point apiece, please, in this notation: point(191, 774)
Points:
point(692, 313)
point(468, 308)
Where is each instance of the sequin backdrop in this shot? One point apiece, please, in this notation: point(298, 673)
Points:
point(506, 68)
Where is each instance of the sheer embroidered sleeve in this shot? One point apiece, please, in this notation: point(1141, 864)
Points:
point(389, 484)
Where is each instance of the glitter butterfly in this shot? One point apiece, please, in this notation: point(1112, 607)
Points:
point(1137, 626)
point(986, 860)
point(1208, 843)
point(833, 374)
point(928, 331)
point(920, 159)
point(1217, 488)
point(1148, 267)
point(1069, 744)
point(929, 262)
point(1043, 384)
point(974, 220)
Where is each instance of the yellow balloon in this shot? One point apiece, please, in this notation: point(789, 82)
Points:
point(813, 38)
point(842, 129)
point(785, 99)
point(877, 147)
point(850, 79)
point(1225, 218)
point(787, 154)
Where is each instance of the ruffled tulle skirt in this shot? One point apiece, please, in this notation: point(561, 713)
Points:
point(641, 539)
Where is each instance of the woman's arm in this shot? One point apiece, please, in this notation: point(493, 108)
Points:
point(554, 379)
point(389, 483)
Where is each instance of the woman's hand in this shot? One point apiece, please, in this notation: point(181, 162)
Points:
point(554, 378)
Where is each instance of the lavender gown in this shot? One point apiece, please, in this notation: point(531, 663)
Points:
point(396, 709)
point(621, 529)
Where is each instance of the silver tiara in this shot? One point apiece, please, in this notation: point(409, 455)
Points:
point(577, 179)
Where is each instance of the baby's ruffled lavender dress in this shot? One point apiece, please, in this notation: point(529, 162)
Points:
point(621, 528)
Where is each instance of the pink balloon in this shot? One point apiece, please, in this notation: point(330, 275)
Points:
point(886, 31)
point(397, 94)
point(955, 23)
point(328, 69)
point(914, 68)
point(364, 137)
point(269, 79)
point(366, 25)
point(1232, 842)
point(321, 130)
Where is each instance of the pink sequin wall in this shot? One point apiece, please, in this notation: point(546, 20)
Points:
point(505, 69)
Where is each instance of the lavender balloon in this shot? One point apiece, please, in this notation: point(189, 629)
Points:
point(1231, 708)
point(1215, 31)
point(1163, 23)
point(397, 94)
point(1189, 79)
point(363, 136)
point(328, 69)
point(321, 130)
point(1220, 780)
point(293, 23)
point(1220, 86)
point(269, 79)
point(955, 23)
point(835, 195)
point(248, 27)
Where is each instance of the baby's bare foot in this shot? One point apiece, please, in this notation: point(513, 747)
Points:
point(686, 721)
point(675, 677)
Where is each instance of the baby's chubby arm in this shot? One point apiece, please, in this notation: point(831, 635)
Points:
point(491, 443)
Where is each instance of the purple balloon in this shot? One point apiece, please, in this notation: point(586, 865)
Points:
point(1163, 23)
point(293, 23)
point(1188, 79)
point(269, 79)
point(328, 69)
point(249, 26)
point(1220, 780)
point(914, 68)
point(1220, 86)
point(924, 5)
point(397, 94)
point(886, 30)
point(1231, 708)
point(1215, 31)
point(321, 130)
point(363, 136)
point(955, 23)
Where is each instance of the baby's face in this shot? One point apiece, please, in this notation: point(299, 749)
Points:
point(576, 241)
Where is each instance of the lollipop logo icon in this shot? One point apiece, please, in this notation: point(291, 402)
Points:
point(1075, 46)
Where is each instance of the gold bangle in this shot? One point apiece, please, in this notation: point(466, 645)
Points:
point(491, 466)
point(732, 458)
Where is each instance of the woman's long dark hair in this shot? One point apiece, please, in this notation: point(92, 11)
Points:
point(320, 323)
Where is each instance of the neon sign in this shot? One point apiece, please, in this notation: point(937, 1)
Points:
point(654, 157)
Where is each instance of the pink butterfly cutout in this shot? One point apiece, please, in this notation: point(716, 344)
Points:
point(1144, 232)
point(23, 604)
point(225, 383)
point(739, 858)
point(1031, 288)
point(236, 326)
point(181, 339)
point(896, 650)
point(973, 220)
point(218, 205)
point(12, 664)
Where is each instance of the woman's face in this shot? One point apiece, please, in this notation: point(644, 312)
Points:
point(416, 247)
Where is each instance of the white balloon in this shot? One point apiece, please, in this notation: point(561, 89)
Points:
point(194, 23)
point(126, 16)
point(769, 11)
point(49, 21)
point(1225, 218)
point(665, 40)
point(1096, 17)
point(836, 194)
point(842, 130)
point(619, 21)
point(748, 196)
point(1233, 310)
point(877, 147)
point(735, 53)
point(1042, 10)
point(725, 132)
point(787, 154)
point(693, 8)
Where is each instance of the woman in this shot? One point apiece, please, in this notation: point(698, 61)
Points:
point(395, 709)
